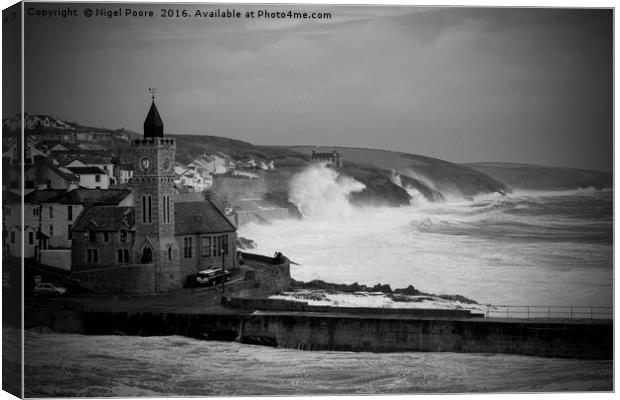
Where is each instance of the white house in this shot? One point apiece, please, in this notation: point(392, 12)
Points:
point(91, 177)
point(190, 178)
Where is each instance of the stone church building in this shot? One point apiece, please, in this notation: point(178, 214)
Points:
point(153, 245)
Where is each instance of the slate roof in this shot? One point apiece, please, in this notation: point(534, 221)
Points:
point(91, 196)
point(105, 218)
point(10, 197)
point(41, 163)
point(200, 217)
point(86, 170)
point(42, 196)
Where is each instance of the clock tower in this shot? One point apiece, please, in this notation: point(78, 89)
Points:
point(153, 191)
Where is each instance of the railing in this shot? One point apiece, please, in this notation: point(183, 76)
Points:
point(549, 312)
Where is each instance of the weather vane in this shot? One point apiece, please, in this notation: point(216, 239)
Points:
point(152, 91)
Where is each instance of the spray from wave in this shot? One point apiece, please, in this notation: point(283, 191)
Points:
point(321, 191)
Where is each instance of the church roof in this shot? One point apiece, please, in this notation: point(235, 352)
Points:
point(153, 125)
point(200, 217)
point(105, 218)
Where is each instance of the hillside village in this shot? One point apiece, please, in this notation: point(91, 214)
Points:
point(96, 200)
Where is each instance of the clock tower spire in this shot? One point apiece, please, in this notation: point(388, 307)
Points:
point(153, 190)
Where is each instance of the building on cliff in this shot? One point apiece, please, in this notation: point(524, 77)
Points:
point(333, 159)
point(154, 244)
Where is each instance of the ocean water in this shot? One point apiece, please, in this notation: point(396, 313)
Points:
point(524, 248)
point(536, 248)
point(62, 365)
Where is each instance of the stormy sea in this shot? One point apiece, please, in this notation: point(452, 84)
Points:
point(537, 248)
point(522, 248)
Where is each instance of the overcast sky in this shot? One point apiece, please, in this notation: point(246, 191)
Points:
point(464, 85)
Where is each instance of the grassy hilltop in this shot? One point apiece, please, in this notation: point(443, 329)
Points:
point(534, 177)
point(390, 177)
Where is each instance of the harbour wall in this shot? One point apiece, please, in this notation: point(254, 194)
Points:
point(589, 339)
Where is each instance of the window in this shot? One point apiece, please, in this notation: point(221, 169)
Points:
point(213, 248)
point(225, 243)
point(51, 212)
point(143, 208)
point(30, 237)
point(205, 246)
point(149, 208)
point(92, 256)
point(165, 200)
point(106, 237)
point(163, 209)
point(92, 236)
point(70, 213)
point(105, 167)
point(51, 230)
point(123, 236)
point(69, 227)
point(35, 211)
point(169, 253)
point(219, 244)
point(97, 178)
point(123, 256)
point(12, 237)
point(187, 248)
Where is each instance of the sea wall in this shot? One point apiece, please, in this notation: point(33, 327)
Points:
point(347, 332)
point(479, 335)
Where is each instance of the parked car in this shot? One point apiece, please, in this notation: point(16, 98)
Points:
point(208, 277)
point(49, 289)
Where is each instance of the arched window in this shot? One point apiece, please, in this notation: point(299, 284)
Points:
point(150, 209)
point(147, 256)
point(168, 209)
point(143, 208)
point(169, 253)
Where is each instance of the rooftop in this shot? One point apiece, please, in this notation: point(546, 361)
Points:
point(105, 218)
point(200, 217)
point(86, 170)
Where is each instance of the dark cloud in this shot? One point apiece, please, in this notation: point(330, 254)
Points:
point(466, 85)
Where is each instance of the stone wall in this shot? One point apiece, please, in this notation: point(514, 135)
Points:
point(56, 258)
point(138, 279)
point(270, 278)
point(107, 251)
point(244, 217)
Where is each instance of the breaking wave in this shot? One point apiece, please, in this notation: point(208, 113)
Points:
point(549, 248)
point(321, 191)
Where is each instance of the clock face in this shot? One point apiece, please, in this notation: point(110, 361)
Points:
point(165, 164)
point(145, 163)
